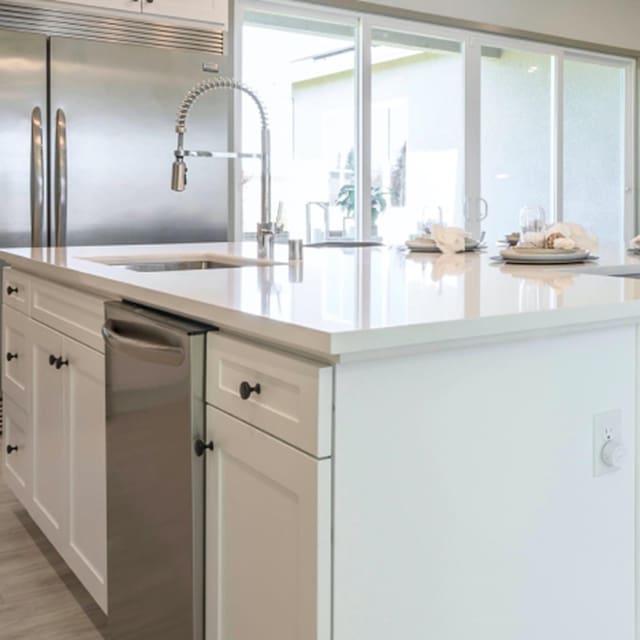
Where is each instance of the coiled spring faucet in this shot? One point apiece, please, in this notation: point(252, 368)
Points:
point(266, 228)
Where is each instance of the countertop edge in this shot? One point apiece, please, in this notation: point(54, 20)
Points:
point(344, 346)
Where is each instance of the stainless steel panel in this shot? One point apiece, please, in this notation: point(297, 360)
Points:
point(155, 482)
point(23, 84)
point(120, 104)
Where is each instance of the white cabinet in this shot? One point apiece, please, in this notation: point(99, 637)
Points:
point(17, 441)
point(290, 397)
point(50, 503)
point(215, 11)
point(69, 449)
point(84, 397)
point(16, 290)
point(268, 537)
point(120, 5)
point(16, 369)
point(54, 395)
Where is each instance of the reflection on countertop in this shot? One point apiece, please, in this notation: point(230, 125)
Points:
point(344, 301)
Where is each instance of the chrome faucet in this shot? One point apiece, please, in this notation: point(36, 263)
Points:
point(266, 228)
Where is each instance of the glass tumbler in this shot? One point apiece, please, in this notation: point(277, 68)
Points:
point(532, 219)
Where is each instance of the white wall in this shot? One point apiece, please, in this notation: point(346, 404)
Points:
point(610, 22)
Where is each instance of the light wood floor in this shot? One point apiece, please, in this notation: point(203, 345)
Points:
point(40, 599)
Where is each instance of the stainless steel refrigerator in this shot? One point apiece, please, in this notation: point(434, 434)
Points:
point(86, 142)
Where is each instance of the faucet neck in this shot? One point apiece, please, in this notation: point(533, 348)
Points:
point(181, 122)
point(265, 176)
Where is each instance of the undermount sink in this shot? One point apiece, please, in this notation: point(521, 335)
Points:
point(184, 262)
point(186, 265)
point(343, 245)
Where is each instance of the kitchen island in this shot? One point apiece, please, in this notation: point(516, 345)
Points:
point(428, 463)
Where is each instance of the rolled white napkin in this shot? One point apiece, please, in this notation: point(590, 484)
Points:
point(448, 239)
point(564, 243)
point(581, 237)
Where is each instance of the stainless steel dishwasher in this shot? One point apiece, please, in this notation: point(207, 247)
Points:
point(155, 474)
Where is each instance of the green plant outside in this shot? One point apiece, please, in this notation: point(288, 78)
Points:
point(347, 200)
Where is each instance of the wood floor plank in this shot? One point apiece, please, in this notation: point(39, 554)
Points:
point(40, 598)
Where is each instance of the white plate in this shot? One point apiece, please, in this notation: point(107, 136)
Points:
point(544, 256)
point(426, 245)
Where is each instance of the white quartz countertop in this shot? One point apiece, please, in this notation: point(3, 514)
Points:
point(342, 303)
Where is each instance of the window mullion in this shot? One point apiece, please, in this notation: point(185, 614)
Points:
point(630, 152)
point(557, 138)
point(363, 132)
point(472, 135)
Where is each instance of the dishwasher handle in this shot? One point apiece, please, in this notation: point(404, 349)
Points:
point(146, 348)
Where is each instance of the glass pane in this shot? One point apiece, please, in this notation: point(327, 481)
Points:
point(515, 137)
point(417, 133)
point(304, 71)
point(594, 148)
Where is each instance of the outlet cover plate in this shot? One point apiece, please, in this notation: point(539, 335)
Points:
point(606, 426)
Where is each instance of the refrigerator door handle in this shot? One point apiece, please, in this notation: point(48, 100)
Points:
point(60, 179)
point(37, 178)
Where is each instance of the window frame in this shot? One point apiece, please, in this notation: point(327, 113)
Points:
point(471, 43)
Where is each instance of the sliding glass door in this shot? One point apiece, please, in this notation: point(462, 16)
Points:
point(304, 70)
point(594, 146)
point(516, 125)
point(384, 126)
point(417, 132)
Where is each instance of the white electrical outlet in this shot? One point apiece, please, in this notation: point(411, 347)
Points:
point(608, 449)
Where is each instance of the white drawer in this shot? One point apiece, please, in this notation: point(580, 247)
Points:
point(16, 355)
point(17, 452)
point(295, 401)
point(78, 315)
point(15, 291)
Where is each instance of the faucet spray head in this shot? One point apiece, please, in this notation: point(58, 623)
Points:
point(179, 175)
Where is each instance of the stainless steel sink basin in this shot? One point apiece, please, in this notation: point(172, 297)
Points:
point(343, 245)
point(185, 265)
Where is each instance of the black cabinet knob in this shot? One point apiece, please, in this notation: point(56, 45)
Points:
point(200, 447)
point(57, 362)
point(11, 356)
point(11, 290)
point(11, 449)
point(246, 390)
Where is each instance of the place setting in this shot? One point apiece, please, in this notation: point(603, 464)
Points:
point(634, 246)
point(434, 236)
point(540, 244)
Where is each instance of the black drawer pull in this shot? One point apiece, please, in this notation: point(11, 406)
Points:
point(200, 447)
point(11, 356)
point(11, 449)
point(246, 390)
point(11, 290)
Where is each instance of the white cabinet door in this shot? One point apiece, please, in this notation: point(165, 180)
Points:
point(215, 11)
point(267, 537)
point(17, 450)
point(16, 368)
point(86, 544)
point(134, 6)
point(50, 478)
